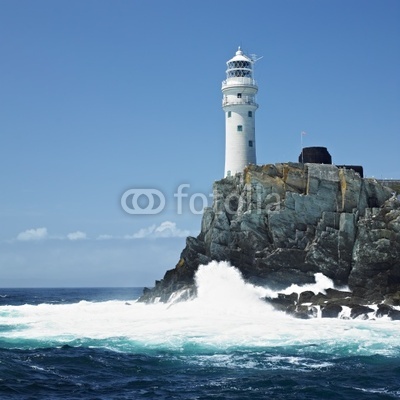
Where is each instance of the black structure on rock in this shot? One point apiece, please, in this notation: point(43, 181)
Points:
point(317, 155)
point(320, 155)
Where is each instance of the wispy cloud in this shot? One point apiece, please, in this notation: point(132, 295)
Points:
point(37, 234)
point(33, 234)
point(105, 237)
point(166, 229)
point(78, 235)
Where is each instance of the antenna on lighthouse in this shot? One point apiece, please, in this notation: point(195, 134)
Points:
point(255, 58)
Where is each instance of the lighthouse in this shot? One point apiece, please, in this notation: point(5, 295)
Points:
point(239, 104)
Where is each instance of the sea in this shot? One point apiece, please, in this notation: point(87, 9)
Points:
point(227, 343)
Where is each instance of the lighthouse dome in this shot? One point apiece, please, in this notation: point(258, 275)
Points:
point(239, 66)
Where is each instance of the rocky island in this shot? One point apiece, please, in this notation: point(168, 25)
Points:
point(280, 224)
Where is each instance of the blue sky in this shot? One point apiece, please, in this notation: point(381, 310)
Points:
point(98, 97)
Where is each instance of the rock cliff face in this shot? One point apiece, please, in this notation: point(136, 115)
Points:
point(280, 224)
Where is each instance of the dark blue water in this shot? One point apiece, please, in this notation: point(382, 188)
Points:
point(115, 367)
point(20, 296)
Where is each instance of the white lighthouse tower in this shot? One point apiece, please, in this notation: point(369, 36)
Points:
point(239, 103)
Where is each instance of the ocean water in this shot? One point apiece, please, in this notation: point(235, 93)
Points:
point(225, 344)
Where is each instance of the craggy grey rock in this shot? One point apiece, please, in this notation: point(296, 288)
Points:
point(306, 297)
point(280, 224)
point(283, 302)
point(393, 299)
point(300, 312)
point(376, 255)
point(360, 311)
point(394, 315)
point(383, 309)
point(331, 311)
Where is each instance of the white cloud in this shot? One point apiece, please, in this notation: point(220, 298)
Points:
point(33, 234)
point(166, 229)
point(78, 235)
point(142, 233)
point(104, 237)
point(169, 229)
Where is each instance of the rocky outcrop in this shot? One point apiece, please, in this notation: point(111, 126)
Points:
point(280, 224)
point(330, 304)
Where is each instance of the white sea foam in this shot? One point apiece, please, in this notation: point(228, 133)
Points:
point(322, 283)
point(228, 313)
